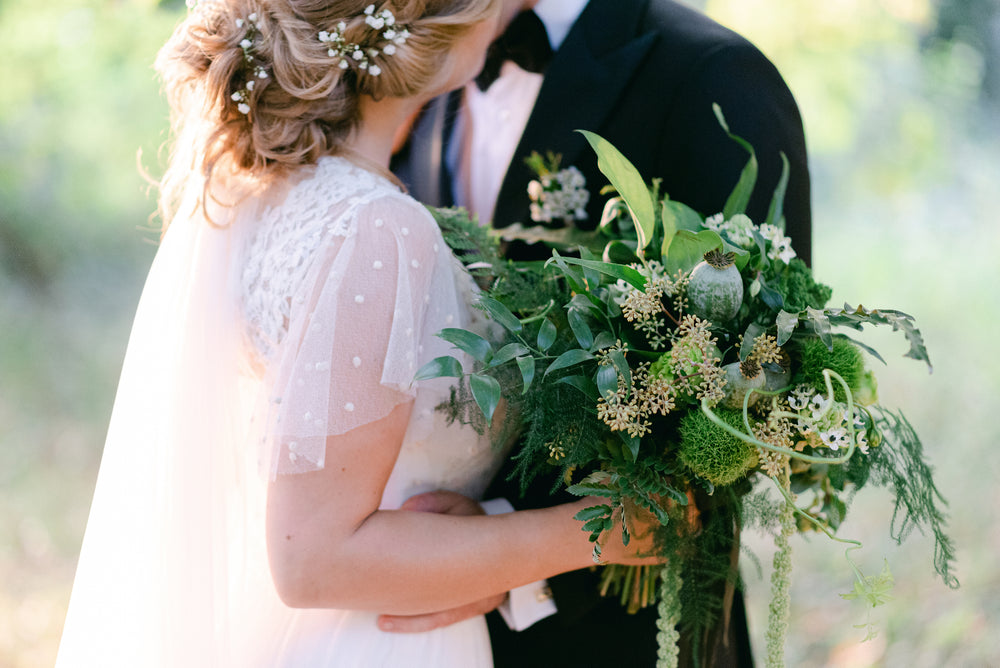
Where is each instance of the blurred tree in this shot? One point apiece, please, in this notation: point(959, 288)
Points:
point(974, 24)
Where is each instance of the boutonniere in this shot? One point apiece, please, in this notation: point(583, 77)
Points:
point(557, 195)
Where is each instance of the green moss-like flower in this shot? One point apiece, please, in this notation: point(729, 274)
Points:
point(845, 359)
point(712, 452)
point(798, 288)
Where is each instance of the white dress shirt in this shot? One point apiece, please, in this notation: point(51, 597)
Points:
point(486, 133)
point(490, 123)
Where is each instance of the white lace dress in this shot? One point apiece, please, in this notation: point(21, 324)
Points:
point(306, 316)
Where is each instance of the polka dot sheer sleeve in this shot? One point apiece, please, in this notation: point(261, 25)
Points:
point(359, 325)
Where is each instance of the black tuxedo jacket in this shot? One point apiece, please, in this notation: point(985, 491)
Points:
point(644, 75)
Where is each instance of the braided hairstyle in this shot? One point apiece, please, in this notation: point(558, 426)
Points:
point(254, 92)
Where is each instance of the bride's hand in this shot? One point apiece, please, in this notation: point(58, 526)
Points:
point(447, 503)
point(642, 547)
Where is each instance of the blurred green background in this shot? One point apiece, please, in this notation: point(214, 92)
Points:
point(901, 101)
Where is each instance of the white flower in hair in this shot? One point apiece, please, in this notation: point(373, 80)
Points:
point(242, 96)
point(363, 54)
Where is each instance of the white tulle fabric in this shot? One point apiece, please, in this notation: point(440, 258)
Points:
point(306, 316)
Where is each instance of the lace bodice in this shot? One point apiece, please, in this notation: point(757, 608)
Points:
point(345, 283)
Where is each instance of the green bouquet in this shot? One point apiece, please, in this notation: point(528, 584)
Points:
point(689, 368)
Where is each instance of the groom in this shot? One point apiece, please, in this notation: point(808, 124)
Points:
point(643, 74)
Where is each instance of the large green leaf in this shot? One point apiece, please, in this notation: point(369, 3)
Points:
point(439, 367)
point(473, 344)
point(500, 314)
point(740, 196)
point(688, 248)
point(628, 182)
point(486, 391)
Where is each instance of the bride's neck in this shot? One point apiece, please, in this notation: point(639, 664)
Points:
point(380, 120)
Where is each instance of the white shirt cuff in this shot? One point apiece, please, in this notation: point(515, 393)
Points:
point(527, 604)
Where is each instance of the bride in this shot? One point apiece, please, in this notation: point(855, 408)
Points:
point(267, 428)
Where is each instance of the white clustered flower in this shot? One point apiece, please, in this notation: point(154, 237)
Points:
point(781, 246)
point(341, 49)
point(559, 196)
point(834, 438)
point(738, 229)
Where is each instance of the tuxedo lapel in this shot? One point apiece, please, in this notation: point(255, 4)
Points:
point(581, 87)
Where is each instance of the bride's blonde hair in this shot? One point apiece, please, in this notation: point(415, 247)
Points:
point(302, 103)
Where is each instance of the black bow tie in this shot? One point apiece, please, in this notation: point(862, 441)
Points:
point(525, 42)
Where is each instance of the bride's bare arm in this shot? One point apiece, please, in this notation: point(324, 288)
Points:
point(330, 545)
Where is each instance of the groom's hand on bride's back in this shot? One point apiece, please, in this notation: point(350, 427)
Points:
point(447, 503)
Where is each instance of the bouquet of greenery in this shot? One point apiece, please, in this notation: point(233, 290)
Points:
point(690, 367)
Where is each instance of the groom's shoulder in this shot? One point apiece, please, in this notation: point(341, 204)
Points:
point(683, 28)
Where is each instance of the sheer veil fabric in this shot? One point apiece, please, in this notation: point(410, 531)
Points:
point(304, 317)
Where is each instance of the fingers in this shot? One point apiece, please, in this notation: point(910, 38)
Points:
point(434, 620)
point(442, 501)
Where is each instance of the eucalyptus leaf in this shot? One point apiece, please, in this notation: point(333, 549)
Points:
point(569, 358)
point(440, 367)
point(527, 367)
point(607, 379)
point(604, 339)
point(629, 184)
point(470, 342)
point(486, 392)
point(621, 364)
point(582, 383)
point(500, 313)
point(546, 335)
point(507, 353)
point(581, 330)
point(632, 443)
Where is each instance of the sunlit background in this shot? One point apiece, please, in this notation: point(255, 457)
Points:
point(901, 100)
